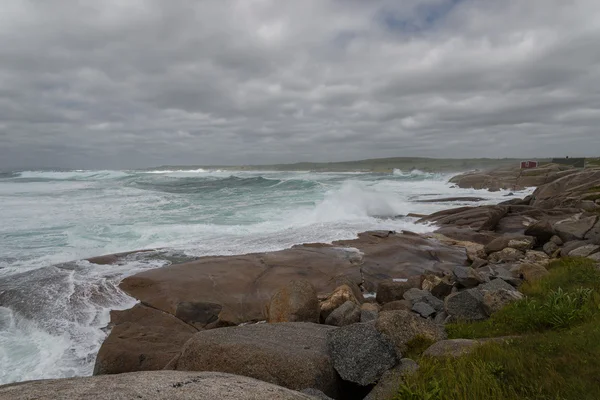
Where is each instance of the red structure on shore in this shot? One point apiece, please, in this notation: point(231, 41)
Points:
point(529, 164)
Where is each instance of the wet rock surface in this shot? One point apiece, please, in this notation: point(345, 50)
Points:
point(155, 385)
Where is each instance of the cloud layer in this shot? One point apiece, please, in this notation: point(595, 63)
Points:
point(134, 83)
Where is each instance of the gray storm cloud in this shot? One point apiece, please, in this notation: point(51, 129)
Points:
point(134, 83)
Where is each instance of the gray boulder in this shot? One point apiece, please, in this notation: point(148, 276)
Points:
point(423, 296)
point(466, 305)
point(550, 248)
point(296, 302)
point(346, 314)
point(506, 275)
point(483, 218)
point(593, 235)
point(360, 353)
point(507, 255)
point(440, 318)
point(572, 245)
point(574, 229)
point(154, 385)
point(369, 312)
point(289, 354)
point(595, 257)
point(530, 272)
point(403, 326)
point(496, 284)
point(495, 300)
point(414, 294)
point(541, 230)
point(388, 291)
point(521, 243)
point(343, 293)
point(142, 339)
point(440, 287)
point(467, 276)
point(423, 309)
point(557, 241)
point(585, 251)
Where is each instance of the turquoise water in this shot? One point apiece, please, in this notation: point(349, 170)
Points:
point(53, 306)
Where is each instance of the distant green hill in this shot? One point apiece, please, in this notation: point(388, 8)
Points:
point(377, 165)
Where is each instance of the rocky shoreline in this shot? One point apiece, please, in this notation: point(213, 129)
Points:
point(334, 320)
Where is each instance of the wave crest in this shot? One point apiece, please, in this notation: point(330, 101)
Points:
point(356, 200)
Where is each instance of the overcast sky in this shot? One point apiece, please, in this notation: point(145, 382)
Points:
point(135, 83)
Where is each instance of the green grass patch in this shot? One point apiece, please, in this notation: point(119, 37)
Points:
point(556, 356)
point(552, 365)
point(564, 298)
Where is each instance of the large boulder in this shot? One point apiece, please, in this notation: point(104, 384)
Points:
point(296, 302)
point(360, 353)
point(495, 300)
point(423, 309)
point(466, 235)
point(339, 296)
point(439, 287)
point(242, 286)
point(289, 354)
point(574, 228)
point(508, 255)
point(142, 339)
point(496, 284)
point(530, 272)
point(511, 177)
point(369, 312)
point(467, 277)
point(567, 191)
point(595, 257)
point(388, 291)
point(390, 256)
point(466, 305)
point(585, 251)
point(521, 243)
point(483, 180)
point(572, 245)
point(550, 249)
point(514, 224)
point(593, 235)
point(483, 218)
point(536, 257)
point(155, 385)
point(404, 326)
point(541, 230)
point(346, 314)
point(423, 296)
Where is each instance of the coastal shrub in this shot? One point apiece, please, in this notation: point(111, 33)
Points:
point(566, 297)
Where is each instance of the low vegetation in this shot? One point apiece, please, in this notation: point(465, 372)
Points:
point(555, 354)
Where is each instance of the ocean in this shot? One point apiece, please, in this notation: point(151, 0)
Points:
point(54, 306)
